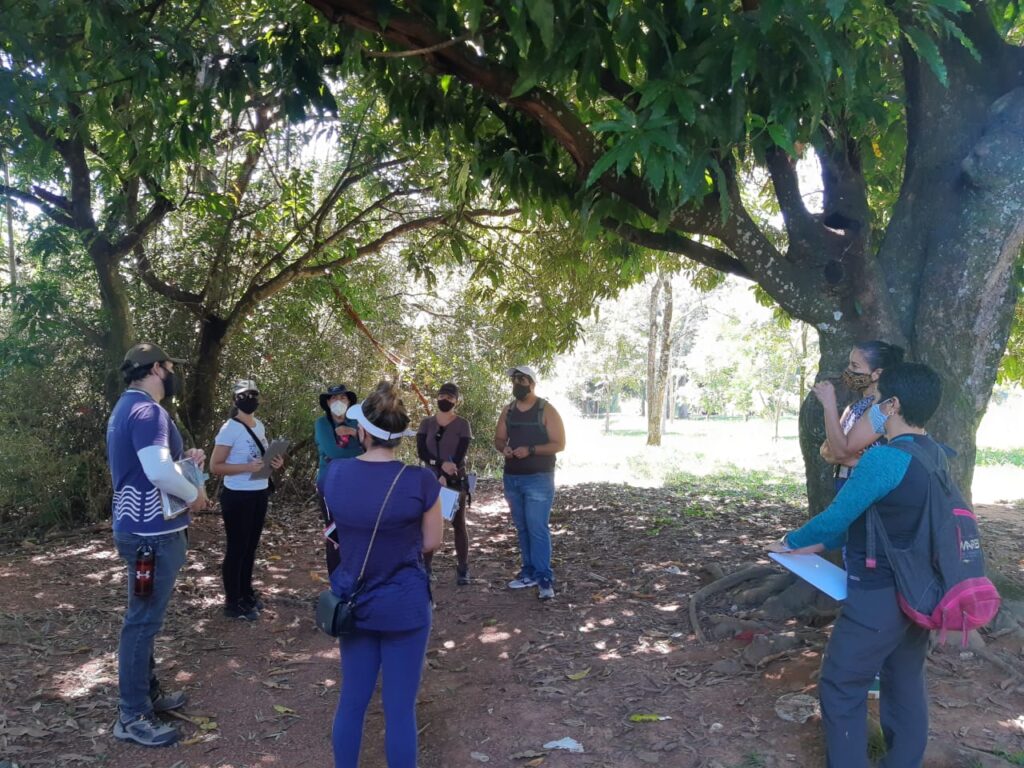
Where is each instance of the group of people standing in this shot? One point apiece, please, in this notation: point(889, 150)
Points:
point(382, 522)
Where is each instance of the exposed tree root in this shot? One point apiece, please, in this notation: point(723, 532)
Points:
point(720, 585)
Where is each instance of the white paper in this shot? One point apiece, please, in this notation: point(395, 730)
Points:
point(449, 503)
point(816, 571)
point(277, 447)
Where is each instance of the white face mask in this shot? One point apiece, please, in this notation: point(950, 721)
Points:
point(338, 408)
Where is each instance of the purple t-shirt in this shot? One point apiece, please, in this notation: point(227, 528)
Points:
point(396, 595)
point(138, 422)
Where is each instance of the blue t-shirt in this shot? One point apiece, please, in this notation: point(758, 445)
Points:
point(396, 595)
point(138, 422)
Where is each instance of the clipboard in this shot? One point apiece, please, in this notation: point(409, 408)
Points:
point(449, 503)
point(816, 571)
point(278, 447)
point(172, 505)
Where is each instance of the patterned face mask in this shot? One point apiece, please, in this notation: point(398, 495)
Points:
point(856, 381)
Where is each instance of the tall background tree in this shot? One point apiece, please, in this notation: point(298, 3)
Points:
point(647, 118)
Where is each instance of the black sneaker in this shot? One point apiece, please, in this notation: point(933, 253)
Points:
point(241, 611)
point(145, 730)
point(462, 576)
point(252, 602)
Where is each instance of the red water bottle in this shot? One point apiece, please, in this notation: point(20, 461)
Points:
point(145, 565)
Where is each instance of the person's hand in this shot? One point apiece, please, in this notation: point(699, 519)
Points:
point(825, 392)
point(506, 452)
point(811, 550)
point(521, 452)
point(779, 546)
point(342, 431)
point(254, 466)
point(443, 481)
point(198, 456)
point(277, 462)
point(449, 468)
point(200, 503)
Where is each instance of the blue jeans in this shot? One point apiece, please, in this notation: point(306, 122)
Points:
point(872, 633)
point(144, 618)
point(400, 655)
point(529, 499)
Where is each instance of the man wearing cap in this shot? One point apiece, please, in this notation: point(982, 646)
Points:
point(529, 434)
point(442, 443)
point(143, 445)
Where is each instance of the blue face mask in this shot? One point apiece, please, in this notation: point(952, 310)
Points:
point(878, 418)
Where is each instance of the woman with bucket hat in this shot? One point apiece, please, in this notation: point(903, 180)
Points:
point(335, 439)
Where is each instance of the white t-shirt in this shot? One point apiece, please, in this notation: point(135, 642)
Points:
point(243, 450)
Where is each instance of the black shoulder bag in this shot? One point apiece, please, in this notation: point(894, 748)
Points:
point(263, 451)
point(334, 615)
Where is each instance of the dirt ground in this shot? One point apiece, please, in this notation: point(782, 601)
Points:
point(506, 673)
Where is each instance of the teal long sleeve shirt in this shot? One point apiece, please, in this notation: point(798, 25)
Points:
point(328, 447)
point(878, 473)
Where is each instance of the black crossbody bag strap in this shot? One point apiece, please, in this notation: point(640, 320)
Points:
point(259, 443)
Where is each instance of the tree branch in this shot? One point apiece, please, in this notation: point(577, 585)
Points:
point(26, 197)
point(676, 243)
point(174, 293)
point(800, 224)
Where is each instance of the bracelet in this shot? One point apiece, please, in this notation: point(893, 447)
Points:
point(533, 450)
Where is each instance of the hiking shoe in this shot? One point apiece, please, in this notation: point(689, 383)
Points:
point(522, 582)
point(251, 604)
point(545, 591)
point(254, 601)
point(462, 576)
point(241, 611)
point(169, 701)
point(145, 730)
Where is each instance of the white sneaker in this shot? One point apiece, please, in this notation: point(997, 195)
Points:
point(522, 582)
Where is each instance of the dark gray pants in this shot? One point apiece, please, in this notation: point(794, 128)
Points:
point(873, 634)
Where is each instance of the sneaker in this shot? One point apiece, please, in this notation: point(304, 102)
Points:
point(545, 591)
point(145, 730)
point(255, 602)
point(875, 689)
point(240, 611)
point(522, 582)
point(169, 701)
point(462, 576)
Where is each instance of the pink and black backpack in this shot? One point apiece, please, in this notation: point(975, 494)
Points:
point(940, 577)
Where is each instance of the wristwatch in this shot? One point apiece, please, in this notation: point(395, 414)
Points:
point(533, 450)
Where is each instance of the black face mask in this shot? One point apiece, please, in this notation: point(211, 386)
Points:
point(171, 385)
point(445, 405)
point(248, 404)
point(520, 391)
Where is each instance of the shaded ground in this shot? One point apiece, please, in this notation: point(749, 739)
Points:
point(506, 673)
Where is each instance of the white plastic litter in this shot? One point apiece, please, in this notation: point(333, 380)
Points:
point(568, 744)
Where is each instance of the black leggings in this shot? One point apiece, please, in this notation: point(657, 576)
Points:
point(244, 513)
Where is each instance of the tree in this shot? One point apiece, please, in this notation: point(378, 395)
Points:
point(659, 349)
point(104, 101)
point(647, 118)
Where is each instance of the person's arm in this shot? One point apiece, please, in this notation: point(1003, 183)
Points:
point(433, 527)
point(880, 471)
point(164, 474)
point(842, 448)
point(501, 435)
point(421, 449)
point(326, 443)
point(219, 465)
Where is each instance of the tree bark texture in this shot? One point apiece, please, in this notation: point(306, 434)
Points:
point(653, 411)
point(664, 356)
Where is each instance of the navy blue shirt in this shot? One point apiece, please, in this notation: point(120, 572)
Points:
point(396, 595)
point(138, 422)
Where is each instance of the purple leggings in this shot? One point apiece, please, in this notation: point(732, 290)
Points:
point(400, 655)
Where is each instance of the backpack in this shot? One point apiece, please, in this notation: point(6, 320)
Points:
point(940, 577)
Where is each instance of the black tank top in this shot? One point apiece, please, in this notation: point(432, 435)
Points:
point(527, 428)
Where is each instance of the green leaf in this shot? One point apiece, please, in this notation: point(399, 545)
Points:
point(835, 7)
point(781, 137)
point(446, 82)
point(526, 82)
point(926, 49)
point(542, 13)
point(604, 162)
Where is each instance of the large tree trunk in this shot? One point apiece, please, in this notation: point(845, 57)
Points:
point(119, 334)
point(200, 408)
